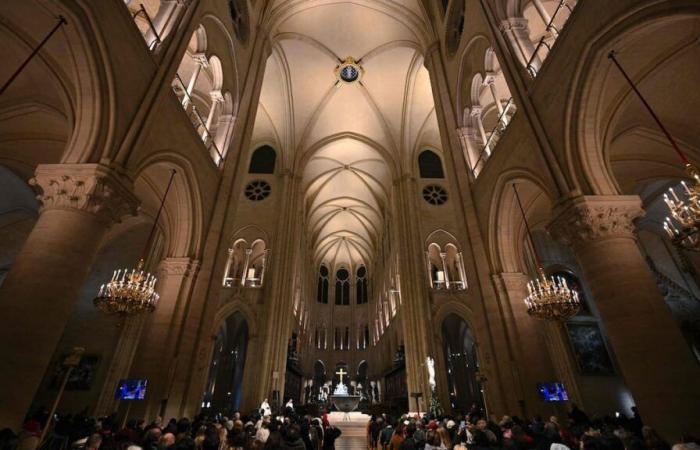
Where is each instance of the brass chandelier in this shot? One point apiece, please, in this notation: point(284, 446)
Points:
point(131, 292)
point(549, 297)
point(683, 222)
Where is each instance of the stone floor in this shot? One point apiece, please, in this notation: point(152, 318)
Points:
point(353, 427)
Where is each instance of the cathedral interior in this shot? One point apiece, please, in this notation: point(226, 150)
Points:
point(430, 202)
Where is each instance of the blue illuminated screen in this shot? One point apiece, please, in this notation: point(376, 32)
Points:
point(132, 389)
point(553, 392)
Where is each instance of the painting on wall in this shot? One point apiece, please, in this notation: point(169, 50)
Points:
point(589, 348)
point(82, 376)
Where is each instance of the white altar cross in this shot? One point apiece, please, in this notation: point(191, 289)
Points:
point(340, 373)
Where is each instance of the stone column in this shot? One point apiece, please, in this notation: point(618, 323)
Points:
point(491, 82)
point(416, 311)
point(517, 34)
point(467, 139)
point(462, 273)
point(476, 114)
point(124, 353)
point(443, 257)
point(244, 277)
point(263, 266)
point(156, 355)
point(531, 338)
point(201, 61)
point(651, 353)
point(227, 269)
point(79, 203)
point(216, 99)
point(544, 15)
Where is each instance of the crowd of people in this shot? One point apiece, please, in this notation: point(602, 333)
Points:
point(292, 431)
point(255, 432)
point(474, 432)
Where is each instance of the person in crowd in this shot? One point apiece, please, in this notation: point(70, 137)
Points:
point(265, 409)
point(409, 443)
point(687, 443)
point(291, 438)
point(385, 436)
point(419, 435)
point(262, 435)
point(151, 438)
point(652, 440)
point(330, 434)
point(445, 438)
point(94, 442)
point(166, 441)
point(398, 437)
point(432, 440)
point(28, 438)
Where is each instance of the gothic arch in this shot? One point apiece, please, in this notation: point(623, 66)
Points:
point(220, 42)
point(75, 102)
point(233, 306)
point(182, 214)
point(506, 228)
point(470, 64)
point(590, 134)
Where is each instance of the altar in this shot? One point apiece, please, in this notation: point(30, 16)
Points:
point(341, 398)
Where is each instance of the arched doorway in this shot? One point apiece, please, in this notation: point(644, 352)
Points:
point(225, 384)
point(462, 365)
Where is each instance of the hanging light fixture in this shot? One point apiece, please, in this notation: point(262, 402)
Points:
point(549, 297)
point(683, 222)
point(131, 292)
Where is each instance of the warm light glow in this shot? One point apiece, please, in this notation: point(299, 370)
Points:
point(440, 276)
point(683, 223)
point(128, 292)
point(251, 273)
point(551, 298)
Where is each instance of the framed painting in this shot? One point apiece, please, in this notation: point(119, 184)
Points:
point(589, 350)
point(82, 376)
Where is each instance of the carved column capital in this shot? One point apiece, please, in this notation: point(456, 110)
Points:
point(216, 96)
point(592, 218)
point(92, 188)
point(178, 267)
point(201, 59)
point(514, 24)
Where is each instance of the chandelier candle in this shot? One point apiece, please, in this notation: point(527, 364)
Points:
point(549, 298)
point(683, 224)
point(130, 293)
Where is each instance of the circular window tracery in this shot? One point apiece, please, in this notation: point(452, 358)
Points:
point(349, 70)
point(434, 194)
point(257, 190)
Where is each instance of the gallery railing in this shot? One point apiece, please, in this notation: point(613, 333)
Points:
point(551, 33)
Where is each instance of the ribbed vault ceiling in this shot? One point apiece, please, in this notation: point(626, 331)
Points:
point(348, 140)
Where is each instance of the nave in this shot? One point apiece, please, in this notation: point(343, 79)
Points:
point(442, 209)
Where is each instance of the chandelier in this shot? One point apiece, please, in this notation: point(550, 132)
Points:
point(549, 297)
point(128, 292)
point(131, 292)
point(683, 222)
